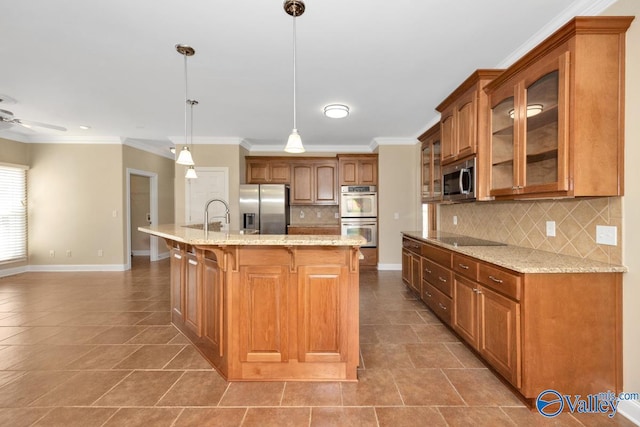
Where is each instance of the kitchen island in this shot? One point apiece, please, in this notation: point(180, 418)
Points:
point(267, 307)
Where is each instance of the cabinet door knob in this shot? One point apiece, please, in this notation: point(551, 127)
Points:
point(466, 267)
point(495, 280)
point(427, 270)
point(475, 290)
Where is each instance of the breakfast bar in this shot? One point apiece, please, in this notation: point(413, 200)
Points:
point(267, 307)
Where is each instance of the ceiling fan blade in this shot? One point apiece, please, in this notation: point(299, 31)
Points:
point(29, 123)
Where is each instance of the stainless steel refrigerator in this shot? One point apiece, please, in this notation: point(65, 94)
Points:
point(264, 207)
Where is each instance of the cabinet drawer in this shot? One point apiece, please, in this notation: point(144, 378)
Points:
point(437, 276)
point(437, 301)
point(502, 281)
point(441, 256)
point(465, 266)
point(412, 245)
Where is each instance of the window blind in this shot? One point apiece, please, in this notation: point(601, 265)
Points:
point(13, 213)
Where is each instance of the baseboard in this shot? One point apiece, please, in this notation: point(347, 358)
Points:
point(141, 253)
point(631, 410)
point(13, 271)
point(391, 267)
point(164, 255)
point(81, 267)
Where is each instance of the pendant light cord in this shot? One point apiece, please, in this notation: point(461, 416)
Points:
point(294, 71)
point(186, 98)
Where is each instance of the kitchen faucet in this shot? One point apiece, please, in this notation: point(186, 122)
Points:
point(227, 215)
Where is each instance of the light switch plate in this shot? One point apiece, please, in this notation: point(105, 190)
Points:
point(455, 220)
point(607, 235)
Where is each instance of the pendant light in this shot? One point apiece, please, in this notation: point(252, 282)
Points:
point(191, 170)
point(294, 143)
point(184, 158)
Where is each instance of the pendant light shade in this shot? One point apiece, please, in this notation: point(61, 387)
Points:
point(294, 143)
point(191, 173)
point(185, 158)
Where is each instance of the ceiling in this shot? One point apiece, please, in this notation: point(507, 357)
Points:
point(113, 66)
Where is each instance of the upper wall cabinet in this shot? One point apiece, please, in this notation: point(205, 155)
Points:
point(261, 170)
point(314, 182)
point(431, 173)
point(557, 115)
point(464, 115)
point(358, 169)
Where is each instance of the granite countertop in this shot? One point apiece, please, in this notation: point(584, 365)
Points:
point(522, 260)
point(193, 236)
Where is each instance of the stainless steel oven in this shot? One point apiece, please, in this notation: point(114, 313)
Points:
point(358, 201)
point(365, 227)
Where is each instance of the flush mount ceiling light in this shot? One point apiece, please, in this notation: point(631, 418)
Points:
point(84, 127)
point(294, 143)
point(336, 111)
point(184, 158)
point(532, 110)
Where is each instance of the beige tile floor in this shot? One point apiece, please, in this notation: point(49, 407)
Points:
point(97, 349)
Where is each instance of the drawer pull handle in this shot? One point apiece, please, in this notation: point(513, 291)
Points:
point(495, 280)
point(427, 270)
point(192, 262)
point(177, 256)
point(428, 294)
point(442, 306)
point(466, 267)
point(475, 290)
point(442, 279)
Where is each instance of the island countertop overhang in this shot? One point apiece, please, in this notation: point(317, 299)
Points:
point(191, 236)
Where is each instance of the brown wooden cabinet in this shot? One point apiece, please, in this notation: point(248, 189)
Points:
point(430, 172)
point(314, 182)
point(311, 230)
point(463, 119)
point(531, 328)
point(556, 113)
point(192, 294)
point(358, 169)
point(264, 170)
point(411, 274)
point(177, 284)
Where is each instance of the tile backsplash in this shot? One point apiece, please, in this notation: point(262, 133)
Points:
point(523, 223)
point(314, 215)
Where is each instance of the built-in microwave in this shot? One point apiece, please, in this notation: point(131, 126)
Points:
point(459, 181)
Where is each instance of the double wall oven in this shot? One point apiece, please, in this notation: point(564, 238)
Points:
point(359, 212)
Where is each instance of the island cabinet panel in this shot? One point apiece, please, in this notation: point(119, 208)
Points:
point(212, 297)
point(263, 314)
point(177, 285)
point(192, 312)
point(322, 298)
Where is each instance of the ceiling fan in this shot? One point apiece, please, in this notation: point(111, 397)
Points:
point(7, 119)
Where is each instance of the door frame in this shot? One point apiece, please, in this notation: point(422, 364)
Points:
point(153, 208)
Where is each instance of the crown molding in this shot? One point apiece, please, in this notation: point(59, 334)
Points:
point(578, 8)
point(150, 146)
point(309, 148)
point(208, 140)
point(396, 141)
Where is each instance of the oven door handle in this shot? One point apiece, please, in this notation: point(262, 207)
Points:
point(357, 224)
point(358, 194)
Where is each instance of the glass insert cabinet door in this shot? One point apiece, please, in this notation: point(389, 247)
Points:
point(431, 173)
point(528, 142)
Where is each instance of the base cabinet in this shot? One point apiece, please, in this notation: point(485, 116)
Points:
point(539, 331)
point(177, 282)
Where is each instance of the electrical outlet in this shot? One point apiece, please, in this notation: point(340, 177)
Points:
point(99, 252)
point(551, 228)
point(396, 215)
point(69, 253)
point(336, 215)
point(319, 214)
point(301, 214)
point(114, 213)
point(607, 235)
point(455, 220)
point(52, 253)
